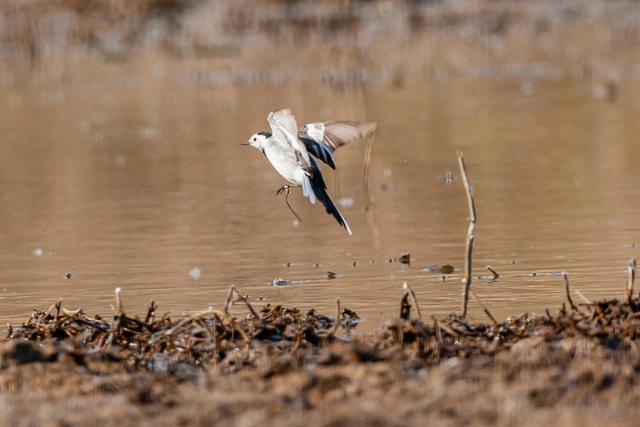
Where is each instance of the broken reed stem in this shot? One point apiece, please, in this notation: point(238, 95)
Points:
point(246, 302)
point(408, 288)
point(586, 301)
point(496, 276)
point(232, 291)
point(436, 328)
point(631, 269)
point(119, 306)
point(568, 291)
point(470, 234)
point(365, 172)
point(484, 307)
point(337, 324)
point(151, 312)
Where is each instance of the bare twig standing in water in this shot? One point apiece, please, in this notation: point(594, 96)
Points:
point(484, 307)
point(496, 276)
point(631, 268)
point(119, 307)
point(365, 171)
point(245, 300)
point(568, 290)
point(470, 234)
point(337, 324)
point(409, 289)
point(582, 297)
point(230, 295)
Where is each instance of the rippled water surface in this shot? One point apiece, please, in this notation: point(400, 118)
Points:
point(128, 172)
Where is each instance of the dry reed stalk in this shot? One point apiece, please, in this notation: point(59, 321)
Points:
point(119, 306)
point(230, 295)
point(568, 291)
point(337, 324)
point(436, 328)
point(584, 299)
point(496, 276)
point(365, 172)
point(631, 269)
point(409, 289)
point(484, 307)
point(470, 234)
point(246, 302)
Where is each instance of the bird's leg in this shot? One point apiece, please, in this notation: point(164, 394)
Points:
point(287, 190)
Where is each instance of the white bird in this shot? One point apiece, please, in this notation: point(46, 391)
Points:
point(288, 149)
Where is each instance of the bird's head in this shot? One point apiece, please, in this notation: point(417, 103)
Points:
point(258, 140)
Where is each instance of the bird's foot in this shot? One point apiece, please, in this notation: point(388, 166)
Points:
point(283, 189)
point(287, 190)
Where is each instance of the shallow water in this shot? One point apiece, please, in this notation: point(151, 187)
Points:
point(129, 173)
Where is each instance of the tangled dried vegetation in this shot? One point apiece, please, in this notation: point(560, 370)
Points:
point(218, 338)
point(277, 365)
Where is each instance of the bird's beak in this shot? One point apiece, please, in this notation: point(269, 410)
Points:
point(244, 143)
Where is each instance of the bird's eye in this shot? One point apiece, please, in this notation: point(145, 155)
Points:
point(254, 139)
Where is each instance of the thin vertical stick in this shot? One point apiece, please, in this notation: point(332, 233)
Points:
point(470, 234)
point(436, 328)
point(337, 324)
point(365, 172)
point(484, 307)
point(631, 268)
point(230, 297)
point(568, 291)
point(413, 296)
point(119, 306)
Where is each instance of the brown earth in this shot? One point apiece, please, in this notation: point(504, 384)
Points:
point(279, 366)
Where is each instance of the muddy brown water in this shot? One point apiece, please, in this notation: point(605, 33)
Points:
point(127, 172)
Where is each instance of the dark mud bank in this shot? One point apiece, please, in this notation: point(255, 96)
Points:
point(247, 365)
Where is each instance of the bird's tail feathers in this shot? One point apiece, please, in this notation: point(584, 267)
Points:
point(318, 190)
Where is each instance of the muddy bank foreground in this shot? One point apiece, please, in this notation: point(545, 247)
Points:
point(272, 365)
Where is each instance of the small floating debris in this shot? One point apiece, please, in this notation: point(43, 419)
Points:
point(354, 263)
point(447, 178)
point(195, 273)
point(316, 265)
point(534, 274)
point(281, 282)
point(442, 269)
point(447, 269)
point(405, 258)
point(388, 186)
point(287, 264)
point(38, 252)
point(68, 276)
point(331, 275)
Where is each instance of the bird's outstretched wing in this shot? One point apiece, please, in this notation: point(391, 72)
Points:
point(323, 138)
point(285, 130)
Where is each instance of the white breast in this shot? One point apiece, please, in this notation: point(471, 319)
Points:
point(285, 162)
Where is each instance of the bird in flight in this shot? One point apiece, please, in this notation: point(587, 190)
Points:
point(288, 150)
